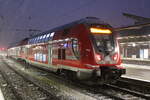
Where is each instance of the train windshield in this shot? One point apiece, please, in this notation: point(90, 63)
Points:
point(103, 40)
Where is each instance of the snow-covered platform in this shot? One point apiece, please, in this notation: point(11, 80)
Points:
point(138, 72)
point(1, 95)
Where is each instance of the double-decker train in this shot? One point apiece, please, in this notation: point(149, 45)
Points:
point(86, 49)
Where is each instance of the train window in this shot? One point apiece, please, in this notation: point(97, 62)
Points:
point(44, 36)
point(52, 34)
point(34, 40)
point(104, 43)
point(61, 53)
point(75, 47)
point(29, 41)
point(38, 39)
point(48, 35)
point(41, 37)
point(44, 58)
point(35, 56)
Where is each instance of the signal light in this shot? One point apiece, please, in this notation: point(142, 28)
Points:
point(2, 49)
point(101, 31)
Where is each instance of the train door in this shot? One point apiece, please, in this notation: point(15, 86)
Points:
point(49, 54)
point(26, 52)
point(61, 54)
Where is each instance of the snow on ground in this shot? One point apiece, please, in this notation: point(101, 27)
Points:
point(136, 66)
point(1, 95)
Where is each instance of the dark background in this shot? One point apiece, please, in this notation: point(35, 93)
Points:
point(20, 18)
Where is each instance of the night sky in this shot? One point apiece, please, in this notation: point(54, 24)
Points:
point(17, 17)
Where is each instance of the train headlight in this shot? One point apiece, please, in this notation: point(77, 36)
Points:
point(98, 57)
point(115, 56)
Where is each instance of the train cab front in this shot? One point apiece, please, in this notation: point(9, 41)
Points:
point(106, 52)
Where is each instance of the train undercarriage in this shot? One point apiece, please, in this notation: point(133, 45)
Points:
point(97, 76)
point(100, 75)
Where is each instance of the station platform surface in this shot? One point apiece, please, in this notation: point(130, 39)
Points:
point(138, 72)
point(1, 95)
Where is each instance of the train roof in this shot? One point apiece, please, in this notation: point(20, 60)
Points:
point(42, 36)
point(19, 43)
point(87, 20)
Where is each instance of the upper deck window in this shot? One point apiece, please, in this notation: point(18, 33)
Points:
point(52, 34)
point(48, 35)
point(29, 41)
point(44, 36)
point(42, 40)
point(38, 39)
point(34, 40)
point(41, 37)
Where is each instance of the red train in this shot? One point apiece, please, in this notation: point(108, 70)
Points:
point(86, 49)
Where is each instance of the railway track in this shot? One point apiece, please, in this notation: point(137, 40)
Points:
point(118, 93)
point(11, 87)
point(43, 93)
point(125, 90)
point(135, 85)
point(113, 91)
point(45, 78)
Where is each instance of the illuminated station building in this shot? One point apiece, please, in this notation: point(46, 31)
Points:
point(135, 41)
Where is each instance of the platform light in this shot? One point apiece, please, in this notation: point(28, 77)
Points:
point(101, 31)
point(133, 44)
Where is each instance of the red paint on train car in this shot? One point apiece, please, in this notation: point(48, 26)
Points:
point(81, 45)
